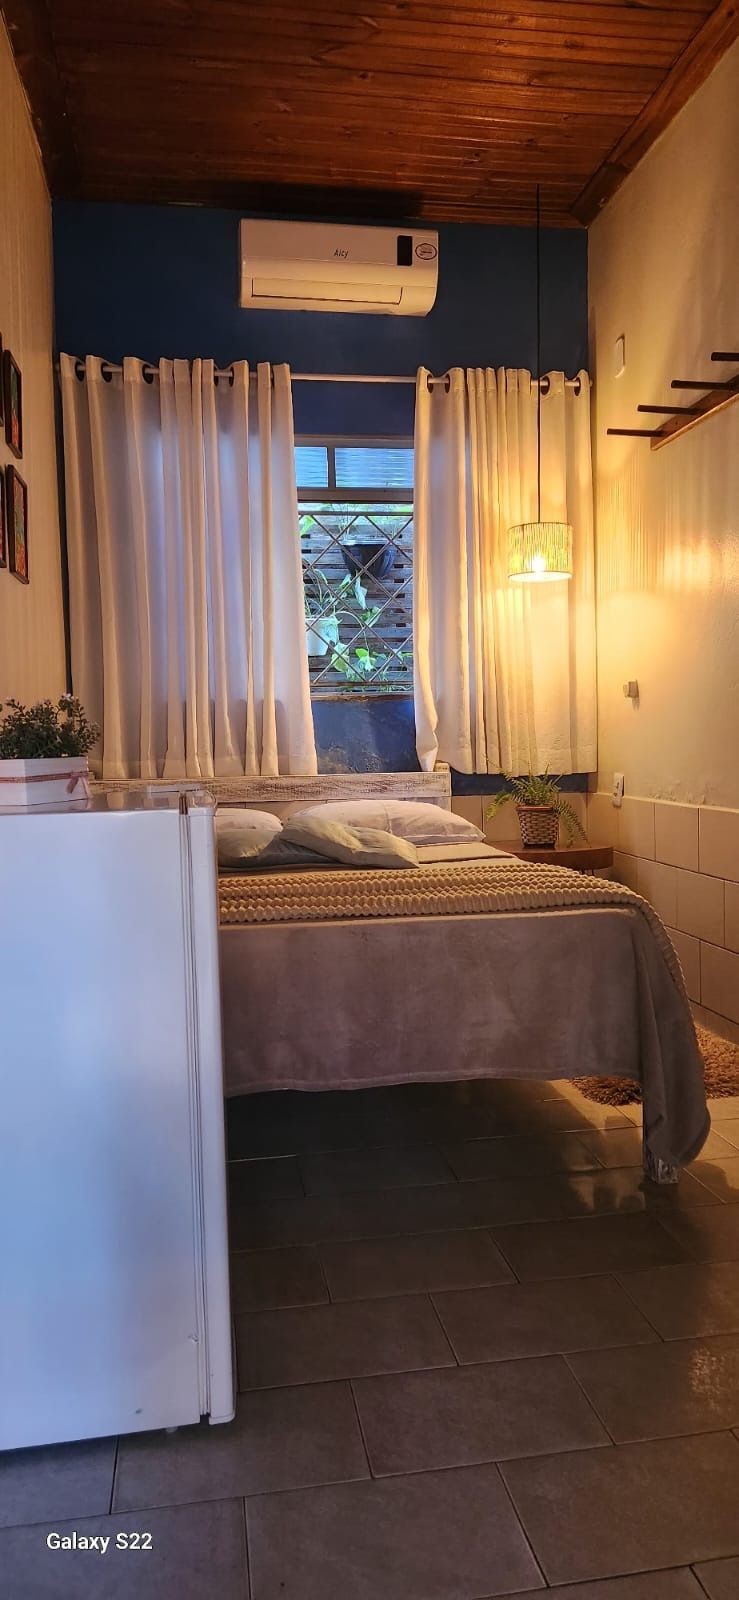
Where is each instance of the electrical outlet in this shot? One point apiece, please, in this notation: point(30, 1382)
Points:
point(617, 793)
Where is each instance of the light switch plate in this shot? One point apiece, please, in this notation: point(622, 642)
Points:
point(617, 793)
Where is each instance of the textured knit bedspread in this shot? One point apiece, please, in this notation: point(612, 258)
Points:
point(339, 978)
point(456, 889)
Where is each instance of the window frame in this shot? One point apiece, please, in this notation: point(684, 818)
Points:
point(345, 492)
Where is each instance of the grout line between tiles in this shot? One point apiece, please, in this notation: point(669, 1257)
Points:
point(114, 1475)
point(524, 1530)
point(591, 1403)
point(360, 1425)
point(247, 1546)
point(444, 1333)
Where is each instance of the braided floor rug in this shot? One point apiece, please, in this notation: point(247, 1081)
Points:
point(720, 1065)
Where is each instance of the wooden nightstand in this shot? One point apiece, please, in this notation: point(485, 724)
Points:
point(589, 858)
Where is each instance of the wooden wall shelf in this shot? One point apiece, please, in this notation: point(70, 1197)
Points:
point(712, 396)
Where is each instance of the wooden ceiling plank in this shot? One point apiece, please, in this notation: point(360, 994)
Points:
point(690, 71)
point(32, 41)
point(447, 108)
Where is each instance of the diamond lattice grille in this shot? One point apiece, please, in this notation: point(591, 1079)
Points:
point(357, 553)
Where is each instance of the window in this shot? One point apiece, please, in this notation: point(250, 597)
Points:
point(356, 534)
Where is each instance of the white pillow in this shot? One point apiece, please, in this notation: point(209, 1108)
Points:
point(407, 819)
point(355, 847)
point(242, 834)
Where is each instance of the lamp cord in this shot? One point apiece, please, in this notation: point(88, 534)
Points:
point(538, 352)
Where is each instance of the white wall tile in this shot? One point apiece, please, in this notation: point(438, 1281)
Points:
point(731, 932)
point(719, 841)
point(688, 954)
point(504, 825)
point(700, 906)
point(717, 1024)
point(676, 834)
point(636, 827)
point(602, 819)
point(658, 884)
point(720, 981)
point(469, 806)
point(626, 869)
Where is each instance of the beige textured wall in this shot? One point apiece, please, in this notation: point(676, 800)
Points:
point(663, 272)
point(31, 621)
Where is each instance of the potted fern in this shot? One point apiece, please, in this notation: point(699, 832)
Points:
point(43, 752)
point(541, 808)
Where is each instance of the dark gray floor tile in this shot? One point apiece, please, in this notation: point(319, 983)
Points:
point(60, 1480)
point(531, 1319)
point(518, 1156)
point(457, 1417)
point(393, 1167)
point(721, 1177)
point(537, 1117)
point(599, 1513)
point(264, 1280)
point(548, 1116)
point(435, 1536)
point(339, 1341)
point(627, 1189)
point(688, 1299)
point(677, 1584)
point(729, 1129)
point(196, 1551)
point(589, 1245)
point(369, 1267)
point(656, 1391)
point(622, 1147)
point(720, 1579)
point(280, 1439)
point(389, 1213)
point(708, 1234)
point(277, 1179)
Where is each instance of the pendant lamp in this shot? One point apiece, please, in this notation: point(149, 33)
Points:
point(539, 552)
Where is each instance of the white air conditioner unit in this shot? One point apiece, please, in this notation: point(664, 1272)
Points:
point(307, 266)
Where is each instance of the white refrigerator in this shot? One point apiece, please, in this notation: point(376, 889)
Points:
point(114, 1295)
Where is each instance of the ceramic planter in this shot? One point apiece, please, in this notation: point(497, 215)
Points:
point(322, 634)
point(44, 781)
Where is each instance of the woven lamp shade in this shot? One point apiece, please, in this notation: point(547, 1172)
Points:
point(539, 552)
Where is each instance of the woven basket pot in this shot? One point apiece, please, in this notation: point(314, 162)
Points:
point(539, 826)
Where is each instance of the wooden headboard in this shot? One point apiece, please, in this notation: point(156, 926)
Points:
point(281, 794)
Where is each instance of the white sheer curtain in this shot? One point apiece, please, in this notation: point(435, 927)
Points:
point(186, 590)
point(504, 672)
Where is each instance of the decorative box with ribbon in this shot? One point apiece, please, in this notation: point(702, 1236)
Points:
point(53, 780)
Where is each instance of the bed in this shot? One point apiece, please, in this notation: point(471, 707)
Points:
point(474, 965)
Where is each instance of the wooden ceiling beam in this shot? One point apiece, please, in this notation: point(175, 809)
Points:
point(693, 66)
point(30, 34)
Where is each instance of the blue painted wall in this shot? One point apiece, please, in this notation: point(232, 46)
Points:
point(157, 281)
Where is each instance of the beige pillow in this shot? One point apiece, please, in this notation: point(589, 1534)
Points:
point(355, 847)
point(416, 820)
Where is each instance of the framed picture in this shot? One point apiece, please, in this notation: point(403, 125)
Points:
point(3, 524)
point(13, 403)
point(16, 510)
